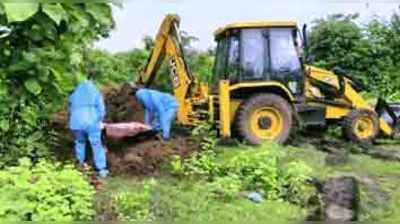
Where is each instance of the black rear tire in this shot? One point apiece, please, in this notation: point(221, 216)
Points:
point(247, 110)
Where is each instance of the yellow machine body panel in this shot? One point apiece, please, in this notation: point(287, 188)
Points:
point(197, 104)
point(229, 106)
point(349, 97)
point(187, 90)
point(334, 112)
point(265, 84)
point(255, 24)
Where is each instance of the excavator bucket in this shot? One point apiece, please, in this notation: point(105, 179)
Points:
point(390, 112)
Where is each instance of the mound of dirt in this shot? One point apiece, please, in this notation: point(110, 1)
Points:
point(147, 156)
point(136, 155)
point(121, 106)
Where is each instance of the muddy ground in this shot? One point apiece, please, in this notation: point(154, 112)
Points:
point(139, 155)
point(144, 155)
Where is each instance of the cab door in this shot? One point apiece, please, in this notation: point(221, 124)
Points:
point(285, 59)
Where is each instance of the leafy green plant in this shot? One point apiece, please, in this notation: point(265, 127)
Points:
point(262, 170)
point(206, 135)
point(202, 162)
point(40, 58)
point(135, 205)
point(188, 201)
point(108, 68)
point(226, 188)
point(44, 192)
point(200, 62)
point(367, 52)
point(293, 182)
point(258, 170)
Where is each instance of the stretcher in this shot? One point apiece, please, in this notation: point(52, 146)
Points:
point(126, 130)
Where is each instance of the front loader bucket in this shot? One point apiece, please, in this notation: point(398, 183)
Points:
point(390, 112)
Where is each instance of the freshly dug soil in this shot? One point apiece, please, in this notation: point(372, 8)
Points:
point(121, 106)
point(142, 155)
point(147, 156)
point(341, 199)
point(136, 155)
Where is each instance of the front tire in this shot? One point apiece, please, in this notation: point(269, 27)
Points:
point(264, 117)
point(361, 126)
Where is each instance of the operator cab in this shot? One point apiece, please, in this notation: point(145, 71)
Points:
point(260, 51)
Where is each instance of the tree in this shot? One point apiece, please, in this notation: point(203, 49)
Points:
point(370, 52)
point(39, 60)
point(148, 43)
point(335, 42)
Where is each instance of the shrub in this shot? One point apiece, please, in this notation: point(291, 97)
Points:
point(134, 205)
point(261, 170)
point(366, 52)
point(39, 61)
point(44, 192)
point(225, 187)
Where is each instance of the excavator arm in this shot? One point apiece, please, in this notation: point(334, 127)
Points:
point(185, 87)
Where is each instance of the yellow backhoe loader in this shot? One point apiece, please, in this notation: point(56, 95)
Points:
point(262, 88)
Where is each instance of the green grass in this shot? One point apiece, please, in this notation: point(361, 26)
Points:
point(185, 201)
point(188, 200)
point(379, 179)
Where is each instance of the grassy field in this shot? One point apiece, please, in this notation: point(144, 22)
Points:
point(166, 198)
point(186, 201)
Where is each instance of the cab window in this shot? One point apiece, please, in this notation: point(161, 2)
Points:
point(254, 54)
point(284, 56)
point(285, 60)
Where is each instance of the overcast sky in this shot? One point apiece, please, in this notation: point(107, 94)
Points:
point(201, 18)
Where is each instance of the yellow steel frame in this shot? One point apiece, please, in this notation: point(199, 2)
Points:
point(224, 108)
point(228, 106)
point(185, 87)
point(190, 92)
point(262, 84)
point(350, 96)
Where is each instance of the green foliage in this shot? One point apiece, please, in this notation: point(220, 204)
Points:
point(369, 53)
point(200, 63)
point(39, 60)
point(225, 188)
point(17, 12)
point(257, 170)
point(188, 201)
point(206, 135)
point(335, 42)
point(108, 69)
point(293, 181)
point(202, 162)
point(135, 205)
point(44, 192)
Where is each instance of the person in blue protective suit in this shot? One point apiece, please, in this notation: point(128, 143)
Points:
point(87, 110)
point(160, 109)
